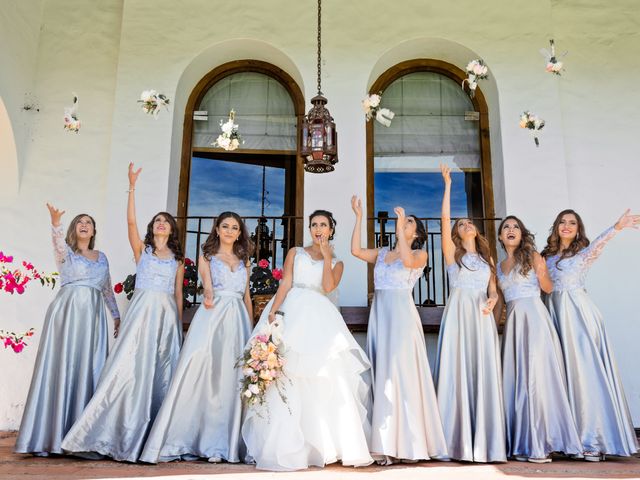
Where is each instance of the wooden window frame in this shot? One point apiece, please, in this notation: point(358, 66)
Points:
point(196, 96)
point(480, 105)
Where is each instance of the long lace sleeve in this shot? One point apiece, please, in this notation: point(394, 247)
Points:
point(60, 247)
point(593, 251)
point(110, 298)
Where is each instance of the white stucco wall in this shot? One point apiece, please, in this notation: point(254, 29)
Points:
point(110, 51)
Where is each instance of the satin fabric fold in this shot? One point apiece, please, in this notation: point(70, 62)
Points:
point(71, 355)
point(538, 416)
point(405, 420)
point(134, 381)
point(201, 415)
point(596, 394)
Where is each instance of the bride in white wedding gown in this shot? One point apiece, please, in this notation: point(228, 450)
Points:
point(328, 382)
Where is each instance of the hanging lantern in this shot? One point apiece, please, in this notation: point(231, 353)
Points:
point(319, 135)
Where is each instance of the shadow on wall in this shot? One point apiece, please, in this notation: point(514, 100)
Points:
point(8, 155)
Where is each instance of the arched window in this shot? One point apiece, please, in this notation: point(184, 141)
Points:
point(262, 180)
point(435, 122)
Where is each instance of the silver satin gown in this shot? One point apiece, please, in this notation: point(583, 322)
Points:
point(136, 376)
point(201, 415)
point(468, 375)
point(538, 415)
point(72, 350)
point(406, 420)
point(595, 391)
point(328, 385)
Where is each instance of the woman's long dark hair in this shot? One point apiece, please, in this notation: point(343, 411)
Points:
point(173, 243)
point(421, 234)
point(553, 241)
point(523, 253)
point(72, 239)
point(482, 247)
point(242, 248)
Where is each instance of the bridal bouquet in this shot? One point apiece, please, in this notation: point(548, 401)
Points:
point(261, 365)
point(229, 139)
point(554, 65)
point(152, 101)
point(371, 107)
point(533, 123)
point(71, 122)
point(476, 70)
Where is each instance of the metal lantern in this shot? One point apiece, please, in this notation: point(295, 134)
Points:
point(319, 135)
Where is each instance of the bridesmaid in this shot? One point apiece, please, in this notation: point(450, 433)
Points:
point(406, 423)
point(202, 413)
point(539, 418)
point(595, 390)
point(467, 373)
point(137, 374)
point(73, 346)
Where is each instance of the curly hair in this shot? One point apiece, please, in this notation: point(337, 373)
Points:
point(553, 246)
point(482, 247)
point(72, 239)
point(329, 216)
point(242, 248)
point(173, 243)
point(523, 254)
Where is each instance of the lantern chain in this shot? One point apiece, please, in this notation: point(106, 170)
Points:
point(319, 43)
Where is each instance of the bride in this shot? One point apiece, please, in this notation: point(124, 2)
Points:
point(327, 384)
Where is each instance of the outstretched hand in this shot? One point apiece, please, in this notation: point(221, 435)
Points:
point(133, 175)
point(356, 206)
point(56, 215)
point(446, 174)
point(627, 220)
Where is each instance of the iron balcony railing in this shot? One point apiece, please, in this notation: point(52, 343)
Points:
point(280, 235)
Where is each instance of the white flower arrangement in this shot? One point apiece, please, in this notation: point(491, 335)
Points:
point(476, 70)
point(533, 123)
point(554, 65)
point(71, 122)
point(152, 101)
point(371, 107)
point(229, 139)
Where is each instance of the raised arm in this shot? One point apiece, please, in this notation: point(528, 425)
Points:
point(448, 247)
point(595, 248)
point(368, 255)
point(204, 271)
point(132, 225)
point(285, 284)
point(60, 248)
point(410, 258)
point(331, 275)
point(540, 267)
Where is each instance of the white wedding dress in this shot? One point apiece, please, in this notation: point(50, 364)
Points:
point(327, 385)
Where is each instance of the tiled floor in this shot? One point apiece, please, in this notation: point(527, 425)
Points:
point(26, 467)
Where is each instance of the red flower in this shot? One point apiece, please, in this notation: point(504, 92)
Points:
point(277, 273)
point(19, 289)
point(188, 261)
point(185, 282)
point(8, 342)
point(118, 288)
point(263, 263)
point(17, 347)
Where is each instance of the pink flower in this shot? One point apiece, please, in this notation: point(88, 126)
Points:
point(277, 273)
point(8, 342)
point(19, 289)
point(17, 347)
point(188, 261)
point(262, 338)
point(118, 288)
point(263, 263)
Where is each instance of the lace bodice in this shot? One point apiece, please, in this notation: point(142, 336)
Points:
point(474, 274)
point(307, 272)
point(571, 273)
point(223, 278)
point(395, 275)
point(76, 269)
point(515, 285)
point(156, 274)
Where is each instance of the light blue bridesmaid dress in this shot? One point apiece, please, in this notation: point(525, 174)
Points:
point(467, 373)
point(72, 351)
point(201, 415)
point(539, 419)
point(136, 376)
point(406, 421)
point(595, 391)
